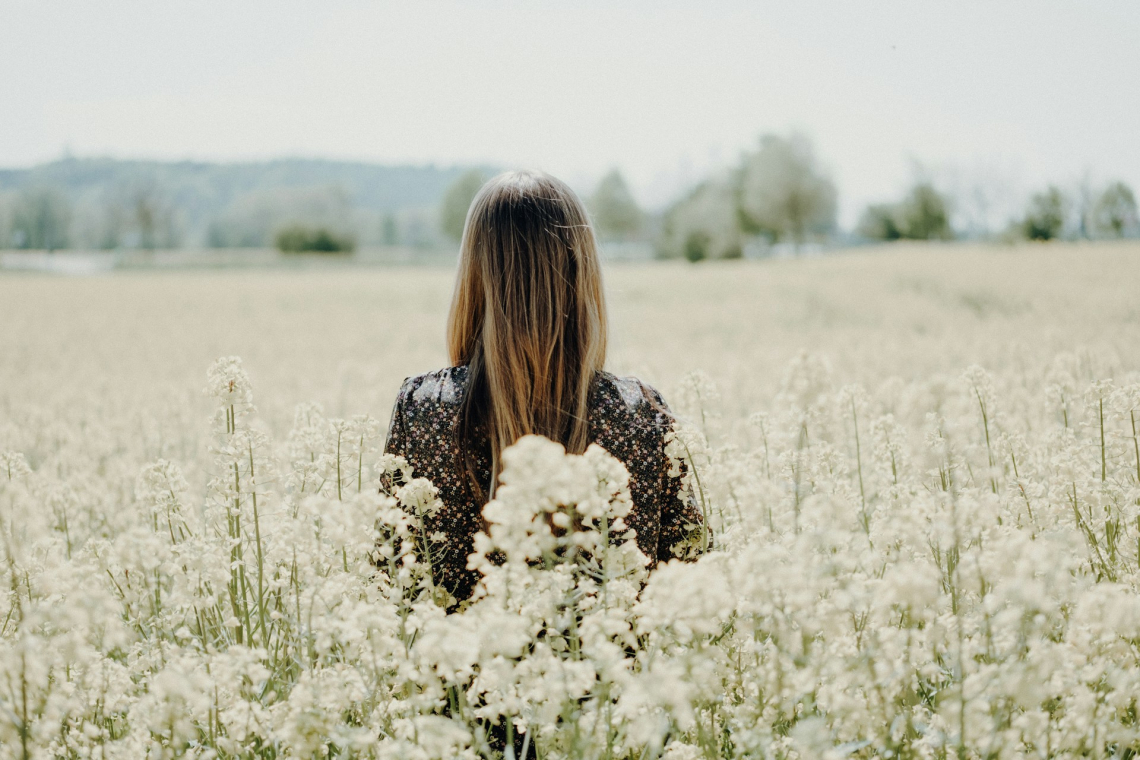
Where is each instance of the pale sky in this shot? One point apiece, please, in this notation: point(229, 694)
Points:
point(1009, 95)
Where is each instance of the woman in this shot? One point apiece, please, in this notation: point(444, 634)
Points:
point(527, 338)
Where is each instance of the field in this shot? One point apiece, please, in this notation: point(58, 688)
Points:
point(921, 466)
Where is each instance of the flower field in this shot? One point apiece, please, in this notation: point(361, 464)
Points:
point(921, 468)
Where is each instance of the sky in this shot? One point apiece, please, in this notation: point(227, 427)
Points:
point(990, 99)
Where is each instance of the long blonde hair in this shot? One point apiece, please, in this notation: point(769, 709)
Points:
point(528, 316)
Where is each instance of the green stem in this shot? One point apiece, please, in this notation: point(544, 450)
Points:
point(260, 555)
point(1103, 458)
point(338, 494)
point(859, 468)
point(989, 449)
point(1135, 443)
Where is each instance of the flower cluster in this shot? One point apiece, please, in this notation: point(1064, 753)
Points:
point(942, 568)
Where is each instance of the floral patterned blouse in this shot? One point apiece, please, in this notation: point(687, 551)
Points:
point(627, 418)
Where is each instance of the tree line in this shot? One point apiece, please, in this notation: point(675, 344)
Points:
point(776, 195)
point(97, 203)
point(779, 194)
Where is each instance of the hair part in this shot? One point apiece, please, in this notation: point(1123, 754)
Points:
point(528, 317)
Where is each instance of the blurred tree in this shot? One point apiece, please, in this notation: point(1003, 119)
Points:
point(216, 203)
point(880, 222)
point(616, 213)
point(389, 231)
point(253, 220)
point(6, 200)
point(1085, 201)
point(923, 214)
point(1045, 219)
point(783, 192)
point(40, 220)
point(147, 214)
point(703, 225)
point(152, 216)
point(457, 200)
point(1114, 212)
point(112, 224)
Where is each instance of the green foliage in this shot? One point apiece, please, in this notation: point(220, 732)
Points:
point(921, 215)
point(301, 239)
point(1045, 219)
point(456, 202)
point(616, 213)
point(924, 214)
point(1114, 213)
point(783, 192)
point(40, 220)
point(697, 246)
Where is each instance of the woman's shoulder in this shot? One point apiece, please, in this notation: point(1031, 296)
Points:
point(614, 394)
point(442, 387)
point(630, 395)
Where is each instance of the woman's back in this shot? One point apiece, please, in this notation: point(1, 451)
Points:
point(526, 334)
point(625, 417)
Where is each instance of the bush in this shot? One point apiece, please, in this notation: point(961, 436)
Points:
point(1046, 217)
point(922, 215)
point(697, 246)
point(301, 239)
point(880, 222)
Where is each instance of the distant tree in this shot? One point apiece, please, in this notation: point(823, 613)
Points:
point(615, 211)
point(302, 239)
point(254, 219)
point(1085, 202)
point(783, 192)
point(40, 219)
point(457, 200)
point(152, 216)
point(148, 218)
point(7, 201)
point(112, 224)
point(1114, 212)
point(923, 214)
point(703, 225)
point(239, 204)
point(880, 222)
point(1045, 219)
point(389, 231)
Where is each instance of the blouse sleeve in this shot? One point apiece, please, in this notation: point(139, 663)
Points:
point(684, 534)
point(397, 435)
point(397, 442)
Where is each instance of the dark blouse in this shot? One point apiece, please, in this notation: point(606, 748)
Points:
point(626, 417)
